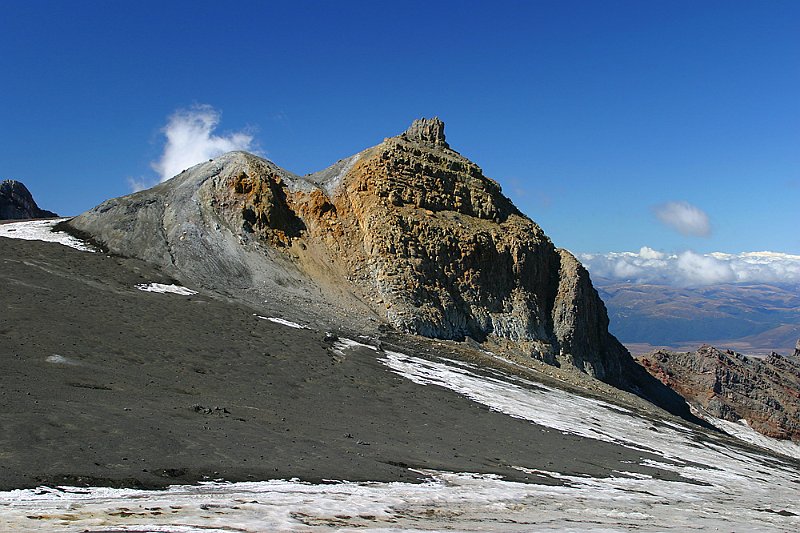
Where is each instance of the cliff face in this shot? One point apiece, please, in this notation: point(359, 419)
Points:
point(731, 386)
point(16, 202)
point(408, 232)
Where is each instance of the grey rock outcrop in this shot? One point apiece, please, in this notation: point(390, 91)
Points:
point(16, 202)
point(407, 232)
point(797, 350)
point(427, 130)
point(732, 386)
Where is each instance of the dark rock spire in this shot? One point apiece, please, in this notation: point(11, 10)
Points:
point(427, 130)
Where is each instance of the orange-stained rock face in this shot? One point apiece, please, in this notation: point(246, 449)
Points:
point(440, 251)
point(264, 206)
point(404, 173)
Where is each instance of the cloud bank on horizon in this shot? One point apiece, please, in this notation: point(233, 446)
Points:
point(691, 269)
point(190, 140)
point(684, 218)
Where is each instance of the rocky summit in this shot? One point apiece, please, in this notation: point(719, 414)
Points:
point(16, 202)
point(724, 384)
point(408, 234)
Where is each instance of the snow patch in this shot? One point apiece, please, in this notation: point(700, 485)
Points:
point(283, 322)
point(60, 360)
point(742, 431)
point(527, 400)
point(164, 289)
point(342, 343)
point(42, 230)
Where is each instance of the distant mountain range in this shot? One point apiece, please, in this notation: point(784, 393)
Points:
point(752, 318)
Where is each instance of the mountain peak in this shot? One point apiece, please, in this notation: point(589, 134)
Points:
point(16, 202)
point(409, 233)
point(427, 130)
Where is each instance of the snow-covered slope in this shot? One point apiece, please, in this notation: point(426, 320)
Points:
point(42, 230)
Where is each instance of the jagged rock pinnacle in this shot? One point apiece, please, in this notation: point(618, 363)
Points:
point(427, 130)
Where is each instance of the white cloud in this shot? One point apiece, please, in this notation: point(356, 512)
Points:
point(684, 218)
point(691, 269)
point(191, 140)
point(648, 253)
point(699, 269)
point(139, 184)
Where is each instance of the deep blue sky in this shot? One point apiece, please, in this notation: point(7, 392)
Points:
point(587, 113)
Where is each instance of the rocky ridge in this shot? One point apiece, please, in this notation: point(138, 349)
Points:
point(732, 386)
point(408, 232)
point(17, 203)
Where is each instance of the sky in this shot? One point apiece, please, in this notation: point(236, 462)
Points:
point(616, 125)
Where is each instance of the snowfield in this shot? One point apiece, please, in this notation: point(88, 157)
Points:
point(726, 488)
point(42, 230)
point(452, 502)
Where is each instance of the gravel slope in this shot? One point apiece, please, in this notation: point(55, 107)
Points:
point(105, 384)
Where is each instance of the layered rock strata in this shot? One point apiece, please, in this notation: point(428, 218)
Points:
point(731, 386)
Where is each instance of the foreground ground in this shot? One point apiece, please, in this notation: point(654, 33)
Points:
point(105, 384)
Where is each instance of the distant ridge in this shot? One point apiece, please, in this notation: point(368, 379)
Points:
point(17, 203)
point(751, 318)
point(727, 385)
